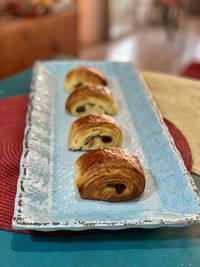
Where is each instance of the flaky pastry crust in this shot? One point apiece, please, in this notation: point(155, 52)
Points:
point(94, 131)
point(83, 75)
point(109, 174)
point(91, 99)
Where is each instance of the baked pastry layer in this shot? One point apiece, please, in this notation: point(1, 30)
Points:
point(83, 76)
point(94, 131)
point(109, 174)
point(91, 99)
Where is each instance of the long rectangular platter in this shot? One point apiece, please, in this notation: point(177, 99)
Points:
point(47, 198)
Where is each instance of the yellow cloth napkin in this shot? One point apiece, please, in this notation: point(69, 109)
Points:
point(178, 99)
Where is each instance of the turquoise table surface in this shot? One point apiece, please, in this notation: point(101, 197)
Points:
point(135, 247)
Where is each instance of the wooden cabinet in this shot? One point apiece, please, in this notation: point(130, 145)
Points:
point(194, 6)
point(27, 40)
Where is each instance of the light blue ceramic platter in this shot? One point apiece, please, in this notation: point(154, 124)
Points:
point(47, 198)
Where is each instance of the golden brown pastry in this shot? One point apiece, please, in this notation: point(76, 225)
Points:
point(83, 76)
point(109, 174)
point(94, 131)
point(91, 99)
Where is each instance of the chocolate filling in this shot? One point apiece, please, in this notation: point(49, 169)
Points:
point(83, 108)
point(80, 109)
point(78, 84)
point(118, 187)
point(106, 139)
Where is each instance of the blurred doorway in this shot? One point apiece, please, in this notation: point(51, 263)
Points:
point(121, 17)
point(126, 16)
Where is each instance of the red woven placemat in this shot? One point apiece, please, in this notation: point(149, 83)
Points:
point(12, 123)
point(193, 70)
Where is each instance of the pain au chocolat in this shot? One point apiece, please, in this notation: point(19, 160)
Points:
point(91, 99)
point(83, 76)
point(94, 131)
point(109, 174)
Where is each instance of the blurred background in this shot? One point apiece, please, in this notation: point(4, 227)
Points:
point(156, 35)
